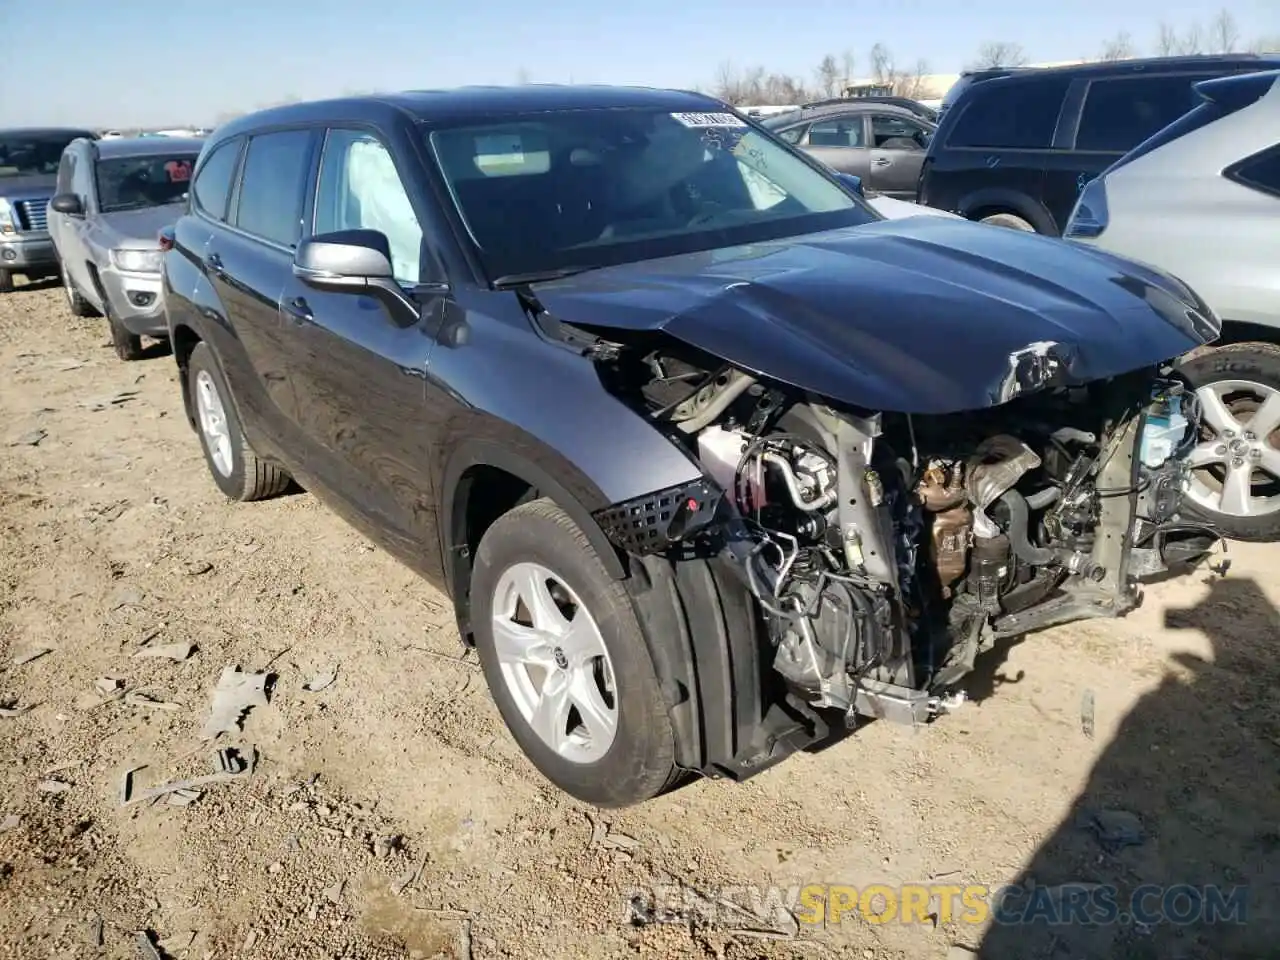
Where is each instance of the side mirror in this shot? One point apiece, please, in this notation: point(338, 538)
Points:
point(67, 203)
point(354, 261)
point(853, 182)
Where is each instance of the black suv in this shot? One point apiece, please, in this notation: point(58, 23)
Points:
point(711, 458)
point(1016, 147)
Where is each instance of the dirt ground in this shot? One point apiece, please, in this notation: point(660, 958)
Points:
point(390, 815)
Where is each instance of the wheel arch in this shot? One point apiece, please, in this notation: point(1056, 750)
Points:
point(985, 203)
point(183, 341)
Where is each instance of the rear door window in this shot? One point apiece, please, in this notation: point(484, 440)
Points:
point(273, 186)
point(212, 187)
point(898, 133)
point(1121, 112)
point(1261, 171)
point(1013, 114)
point(837, 132)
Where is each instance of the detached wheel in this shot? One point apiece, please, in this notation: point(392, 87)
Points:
point(6, 281)
point(1235, 480)
point(79, 306)
point(236, 469)
point(566, 662)
point(1009, 220)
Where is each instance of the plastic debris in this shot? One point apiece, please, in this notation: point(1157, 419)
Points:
point(34, 654)
point(53, 786)
point(1087, 714)
point(30, 439)
point(334, 894)
point(197, 567)
point(8, 713)
point(235, 695)
point(95, 931)
point(142, 700)
point(168, 651)
point(146, 949)
point(126, 784)
point(108, 685)
point(321, 680)
point(184, 797)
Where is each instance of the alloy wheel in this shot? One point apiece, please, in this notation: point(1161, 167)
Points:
point(213, 423)
point(1236, 464)
point(554, 662)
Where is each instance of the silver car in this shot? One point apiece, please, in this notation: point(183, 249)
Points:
point(113, 198)
point(1201, 200)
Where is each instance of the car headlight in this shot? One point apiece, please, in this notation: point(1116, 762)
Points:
point(6, 216)
point(137, 261)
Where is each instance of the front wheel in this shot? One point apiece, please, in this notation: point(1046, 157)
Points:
point(6, 281)
point(566, 662)
point(77, 304)
point(128, 346)
point(1009, 220)
point(1235, 476)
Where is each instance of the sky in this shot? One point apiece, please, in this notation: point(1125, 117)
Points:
point(135, 63)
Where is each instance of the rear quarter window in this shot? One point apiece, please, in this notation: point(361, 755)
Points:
point(1121, 112)
point(1019, 114)
point(1260, 171)
point(212, 186)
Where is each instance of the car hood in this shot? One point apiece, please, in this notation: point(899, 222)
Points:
point(917, 315)
point(138, 228)
point(28, 184)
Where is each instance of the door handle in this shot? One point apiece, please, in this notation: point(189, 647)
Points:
point(297, 310)
point(881, 162)
point(213, 263)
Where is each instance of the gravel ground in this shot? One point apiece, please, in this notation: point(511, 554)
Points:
point(390, 815)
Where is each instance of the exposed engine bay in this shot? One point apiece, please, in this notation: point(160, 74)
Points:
point(886, 550)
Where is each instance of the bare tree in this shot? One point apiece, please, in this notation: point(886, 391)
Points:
point(882, 64)
point(1000, 53)
point(847, 63)
point(1192, 41)
point(1269, 44)
point(1167, 41)
point(828, 76)
point(1119, 47)
point(1224, 36)
point(757, 86)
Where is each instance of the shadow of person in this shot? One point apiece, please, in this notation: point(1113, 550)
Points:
point(1179, 823)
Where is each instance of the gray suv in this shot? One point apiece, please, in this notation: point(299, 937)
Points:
point(28, 166)
point(114, 196)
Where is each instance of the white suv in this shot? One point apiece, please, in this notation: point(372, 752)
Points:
point(1201, 200)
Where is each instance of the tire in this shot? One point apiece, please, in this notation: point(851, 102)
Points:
point(239, 473)
point(1012, 221)
point(128, 346)
point(79, 306)
point(6, 281)
point(1243, 377)
point(534, 543)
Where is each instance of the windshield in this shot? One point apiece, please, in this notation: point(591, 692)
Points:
point(130, 183)
point(569, 191)
point(25, 155)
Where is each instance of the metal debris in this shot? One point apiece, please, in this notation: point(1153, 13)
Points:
point(235, 695)
point(168, 651)
point(184, 798)
point(197, 567)
point(105, 403)
point(126, 784)
point(334, 894)
point(464, 940)
point(146, 949)
point(321, 680)
point(185, 786)
point(30, 439)
point(8, 713)
point(409, 877)
point(142, 700)
point(35, 654)
point(95, 931)
point(53, 786)
point(1087, 707)
point(11, 822)
point(108, 685)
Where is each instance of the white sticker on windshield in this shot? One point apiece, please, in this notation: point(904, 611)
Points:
point(499, 150)
point(708, 120)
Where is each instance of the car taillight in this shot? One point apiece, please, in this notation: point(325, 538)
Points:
point(1090, 216)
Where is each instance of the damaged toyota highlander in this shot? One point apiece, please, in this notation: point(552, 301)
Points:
point(712, 459)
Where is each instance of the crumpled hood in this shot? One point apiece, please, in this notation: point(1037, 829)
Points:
point(916, 315)
point(139, 229)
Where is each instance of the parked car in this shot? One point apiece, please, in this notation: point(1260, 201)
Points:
point(113, 197)
point(1201, 200)
point(919, 107)
point(882, 143)
point(28, 168)
point(1016, 149)
point(708, 470)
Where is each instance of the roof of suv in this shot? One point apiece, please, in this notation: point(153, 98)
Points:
point(462, 103)
point(117, 147)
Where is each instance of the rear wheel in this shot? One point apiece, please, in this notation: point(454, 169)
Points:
point(6, 281)
point(236, 469)
point(1235, 479)
point(1012, 221)
point(566, 662)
